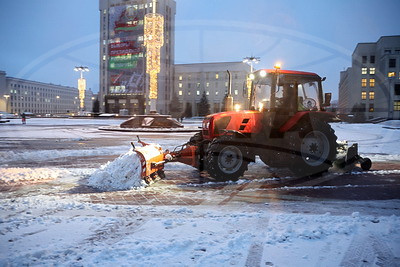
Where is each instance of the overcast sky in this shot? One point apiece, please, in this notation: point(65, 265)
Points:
point(43, 40)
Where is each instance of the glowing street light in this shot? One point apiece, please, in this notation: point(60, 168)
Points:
point(81, 85)
point(277, 66)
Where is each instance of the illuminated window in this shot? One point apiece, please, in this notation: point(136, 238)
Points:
point(371, 82)
point(371, 95)
point(198, 85)
point(180, 85)
point(391, 74)
point(216, 93)
point(363, 70)
point(207, 84)
point(208, 93)
point(104, 58)
point(236, 92)
point(217, 76)
point(226, 84)
point(371, 108)
point(363, 82)
point(363, 95)
point(372, 71)
point(189, 93)
point(180, 92)
point(396, 105)
point(197, 92)
point(180, 77)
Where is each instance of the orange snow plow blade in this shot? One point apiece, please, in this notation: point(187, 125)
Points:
point(152, 161)
point(153, 158)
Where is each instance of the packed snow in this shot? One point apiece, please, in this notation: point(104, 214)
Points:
point(121, 174)
point(63, 228)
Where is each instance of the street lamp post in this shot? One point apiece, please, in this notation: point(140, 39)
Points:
point(81, 86)
point(250, 61)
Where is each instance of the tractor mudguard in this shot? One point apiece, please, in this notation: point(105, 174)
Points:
point(313, 115)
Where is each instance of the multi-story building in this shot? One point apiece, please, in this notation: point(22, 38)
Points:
point(371, 86)
point(20, 95)
point(123, 80)
point(191, 80)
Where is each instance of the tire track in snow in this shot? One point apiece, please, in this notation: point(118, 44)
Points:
point(369, 250)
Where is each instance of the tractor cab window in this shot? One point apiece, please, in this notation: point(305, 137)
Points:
point(308, 96)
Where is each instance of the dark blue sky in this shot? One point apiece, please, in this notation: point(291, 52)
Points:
point(43, 40)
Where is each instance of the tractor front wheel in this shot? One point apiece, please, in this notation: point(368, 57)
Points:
point(226, 159)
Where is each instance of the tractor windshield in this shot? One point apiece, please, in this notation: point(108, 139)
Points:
point(290, 92)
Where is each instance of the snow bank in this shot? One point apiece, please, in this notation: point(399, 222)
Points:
point(19, 175)
point(123, 173)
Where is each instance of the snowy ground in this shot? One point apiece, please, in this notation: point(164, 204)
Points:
point(46, 225)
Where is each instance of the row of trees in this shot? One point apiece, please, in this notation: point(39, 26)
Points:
point(176, 108)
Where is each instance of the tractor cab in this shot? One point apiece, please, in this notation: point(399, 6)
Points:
point(281, 94)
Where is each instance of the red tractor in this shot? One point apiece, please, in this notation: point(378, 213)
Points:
point(286, 126)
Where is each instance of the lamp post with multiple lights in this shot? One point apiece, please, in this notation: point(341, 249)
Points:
point(250, 61)
point(81, 86)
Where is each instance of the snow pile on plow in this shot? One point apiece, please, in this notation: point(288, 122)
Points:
point(123, 173)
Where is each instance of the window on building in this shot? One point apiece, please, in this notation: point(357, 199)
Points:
point(364, 59)
point(371, 95)
point(364, 70)
point(180, 77)
point(197, 92)
point(208, 93)
point(180, 92)
point(372, 59)
point(180, 85)
point(363, 82)
point(198, 85)
point(387, 51)
point(189, 85)
point(216, 92)
point(372, 71)
point(392, 63)
point(207, 84)
point(391, 74)
point(397, 89)
point(189, 93)
point(371, 82)
point(371, 108)
point(236, 92)
point(217, 76)
point(226, 84)
point(363, 95)
point(396, 105)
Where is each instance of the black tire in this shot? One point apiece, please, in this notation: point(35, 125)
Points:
point(226, 158)
point(315, 151)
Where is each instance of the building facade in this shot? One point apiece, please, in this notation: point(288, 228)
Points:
point(20, 95)
point(191, 80)
point(124, 83)
point(371, 86)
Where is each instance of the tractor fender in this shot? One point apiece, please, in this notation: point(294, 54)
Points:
point(310, 115)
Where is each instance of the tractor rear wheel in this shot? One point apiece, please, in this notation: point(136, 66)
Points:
point(226, 158)
point(315, 151)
